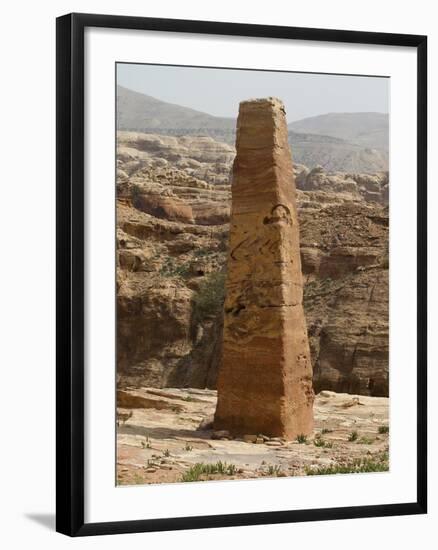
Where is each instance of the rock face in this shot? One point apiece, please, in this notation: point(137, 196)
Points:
point(265, 381)
point(170, 299)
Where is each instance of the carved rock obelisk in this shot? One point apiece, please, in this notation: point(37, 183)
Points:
point(265, 382)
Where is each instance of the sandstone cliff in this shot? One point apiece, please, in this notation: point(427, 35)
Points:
point(172, 217)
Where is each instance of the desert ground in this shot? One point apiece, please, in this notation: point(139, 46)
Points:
point(169, 438)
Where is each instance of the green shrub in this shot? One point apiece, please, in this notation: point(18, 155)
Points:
point(353, 436)
point(301, 438)
point(135, 194)
point(171, 269)
point(209, 299)
point(383, 429)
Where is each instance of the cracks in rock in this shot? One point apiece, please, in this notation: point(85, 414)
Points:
point(358, 341)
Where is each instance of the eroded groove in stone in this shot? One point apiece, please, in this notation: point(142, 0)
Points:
point(265, 383)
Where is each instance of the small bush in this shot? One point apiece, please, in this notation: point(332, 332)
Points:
point(135, 193)
point(171, 269)
point(320, 442)
point(383, 429)
point(361, 465)
point(209, 299)
point(326, 431)
point(200, 469)
point(353, 436)
point(301, 438)
point(166, 453)
point(274, 470)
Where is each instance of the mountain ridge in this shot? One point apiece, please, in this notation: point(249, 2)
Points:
point(139, 112)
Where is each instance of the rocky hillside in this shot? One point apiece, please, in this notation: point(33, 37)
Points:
point(173, 200)
point(345, 142)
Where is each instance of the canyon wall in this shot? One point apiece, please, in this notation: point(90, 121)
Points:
point(173, 209)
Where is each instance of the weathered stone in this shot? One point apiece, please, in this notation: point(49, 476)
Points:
point(169, 208)
point(220, 434)
point(206, 423)
point(274, 443)
point(265, 381)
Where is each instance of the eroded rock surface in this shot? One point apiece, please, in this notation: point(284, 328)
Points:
point(265, 381)
point(170, 282)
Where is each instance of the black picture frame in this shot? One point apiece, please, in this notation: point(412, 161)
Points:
point(70, 273)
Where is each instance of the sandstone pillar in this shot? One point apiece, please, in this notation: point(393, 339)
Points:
point(265, 382)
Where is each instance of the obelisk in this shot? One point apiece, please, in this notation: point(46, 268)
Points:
point(265, 381)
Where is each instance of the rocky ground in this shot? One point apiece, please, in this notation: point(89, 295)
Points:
point(165, 435)
point(173, 208)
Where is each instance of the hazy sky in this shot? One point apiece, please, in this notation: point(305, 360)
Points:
point(219, 91)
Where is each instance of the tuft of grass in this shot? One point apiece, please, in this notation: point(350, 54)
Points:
point(366, 440)
point(301, 438)
point(320, 442)
point(188, 447)
point(138, 479)
point(353, 436)
point(200, 469)
point(361, 465)
point(166, 453)
point(274, 470)
point(326, 431)
point(383, 429)
point(188, 398)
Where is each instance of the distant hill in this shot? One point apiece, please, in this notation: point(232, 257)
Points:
point(366, 129)
point(352, 151)
point(136, 111)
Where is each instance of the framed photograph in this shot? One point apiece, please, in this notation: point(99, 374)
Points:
point(241, 274)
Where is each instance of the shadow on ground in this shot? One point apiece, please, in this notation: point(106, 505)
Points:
point(163, 433)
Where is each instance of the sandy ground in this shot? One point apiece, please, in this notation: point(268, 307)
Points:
point(159, 439)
